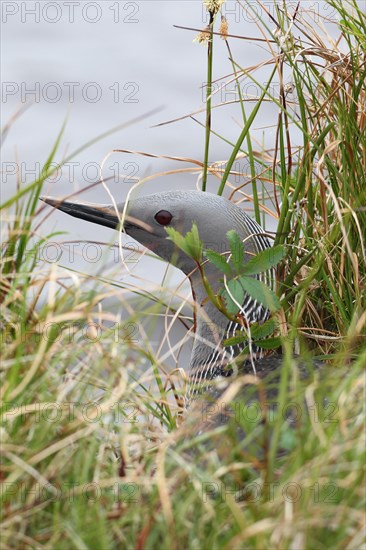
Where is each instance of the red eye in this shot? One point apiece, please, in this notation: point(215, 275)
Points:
point(163, 217)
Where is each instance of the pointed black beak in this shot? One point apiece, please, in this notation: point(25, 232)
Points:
point(102, 214)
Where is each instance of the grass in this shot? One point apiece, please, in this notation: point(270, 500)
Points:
point(91, 457)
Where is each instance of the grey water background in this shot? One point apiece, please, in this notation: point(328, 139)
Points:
point(101, 64)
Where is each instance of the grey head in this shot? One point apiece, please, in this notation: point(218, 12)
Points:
point(148, 216)
point(146, 219)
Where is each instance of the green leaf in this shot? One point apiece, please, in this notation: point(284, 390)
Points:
point(261, 293)
point(237, 250)
point(219, 261)
point(177, 238)
point(265, 343)
point(269, 343)
point(264, 260)
point(240, 336)
point(194, 244)
point(261, 330)
point(237, 291)
point(189, 243)
point(257, 331)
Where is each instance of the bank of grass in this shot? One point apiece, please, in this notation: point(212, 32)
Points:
point(90, 454)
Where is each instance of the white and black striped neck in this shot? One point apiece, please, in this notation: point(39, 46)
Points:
point(210, 358)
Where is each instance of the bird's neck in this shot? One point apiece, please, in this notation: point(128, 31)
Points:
point(210, 323)
point(210, 359)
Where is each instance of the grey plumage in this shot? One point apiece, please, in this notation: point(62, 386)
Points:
point(212, 366)
point(214, 216)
